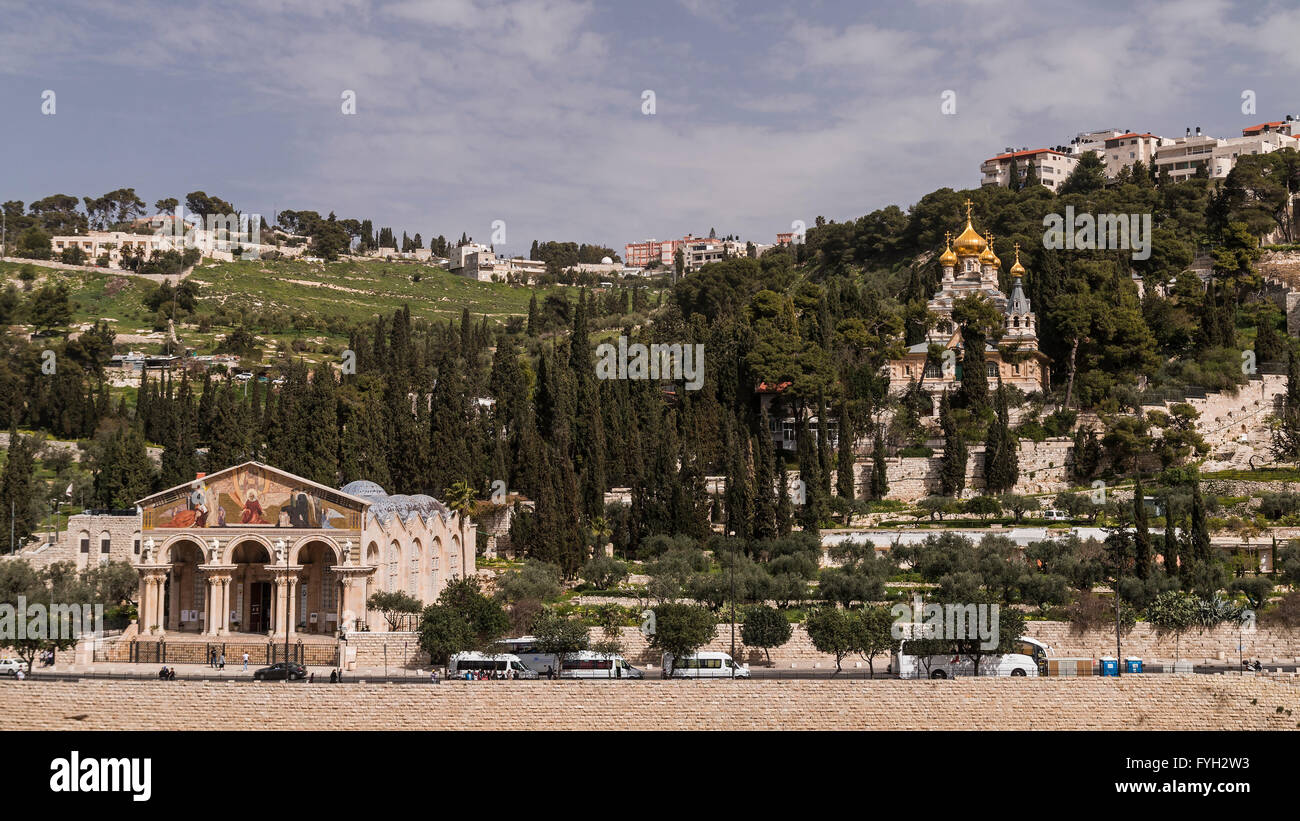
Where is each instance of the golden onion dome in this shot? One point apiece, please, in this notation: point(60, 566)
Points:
point(988, 257)
point(1017, 269)
point(947, 259)
point(969, 243)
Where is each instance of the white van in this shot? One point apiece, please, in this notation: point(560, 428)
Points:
point(1055, 515)
point(588, 664)
point(703, 665)
point(462, 663)
point(1030, 659)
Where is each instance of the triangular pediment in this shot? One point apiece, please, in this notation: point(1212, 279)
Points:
point(252, 495)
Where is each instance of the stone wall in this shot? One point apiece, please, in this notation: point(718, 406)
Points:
point(1220, 644)
point(1164, 702)
point(123, 532)
point(401, 649)
point(1044, 468)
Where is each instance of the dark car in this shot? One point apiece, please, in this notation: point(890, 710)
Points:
point(276, 672)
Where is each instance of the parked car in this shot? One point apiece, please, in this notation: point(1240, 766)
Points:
point(1054, 515)
point(11, 666)
point(276, 672)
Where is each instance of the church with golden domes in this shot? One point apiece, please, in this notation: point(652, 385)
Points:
point(970, 266)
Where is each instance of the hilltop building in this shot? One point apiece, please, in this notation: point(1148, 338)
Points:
point(970, 266)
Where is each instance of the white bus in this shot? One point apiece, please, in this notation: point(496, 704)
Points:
point(705, 664)
point(511, 665)
point(585, 664)
point(588, 664)
point(1029, 659)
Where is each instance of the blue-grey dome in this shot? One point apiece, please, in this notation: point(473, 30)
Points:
point(364, 489)
point(406, 506)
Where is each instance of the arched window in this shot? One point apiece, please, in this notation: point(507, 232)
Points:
point(394, 555)
point(413, 575)
point(991, 368)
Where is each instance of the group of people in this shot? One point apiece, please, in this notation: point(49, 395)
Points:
point(218, 660)
point(490, 675)
point(47, 658)
point(167, 674)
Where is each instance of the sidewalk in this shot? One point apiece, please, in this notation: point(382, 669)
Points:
point(233, 671)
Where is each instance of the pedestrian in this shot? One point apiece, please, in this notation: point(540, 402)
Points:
point(550, 672)
point(221, 662)
point(162, 674)
point(311, 679)
point(20, 675)
point(245, 661)
point(212, 658)
point(171, 674)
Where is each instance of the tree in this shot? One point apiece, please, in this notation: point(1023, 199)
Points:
point(874, 631)
point(21, 504)
point(681, 629)
point(559, 636)
point(603, 572)
point(34, 243)
point(832, 631)
point(444, 632)
point(879, 471)
point(1011, 625)
point(535, 580)
point(486, 619)
point(952, 470)
point(1172, 612)
point(1001, 457)
point(393, 606)
point(766, 627)
point(49, 308)
point(1087, 177)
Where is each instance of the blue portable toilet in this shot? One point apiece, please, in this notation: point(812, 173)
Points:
point(1109, 666)
point(1132, 664)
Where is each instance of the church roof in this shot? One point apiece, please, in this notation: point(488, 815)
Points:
point(283, 474)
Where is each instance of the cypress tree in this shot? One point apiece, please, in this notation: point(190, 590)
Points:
point(1141, 536)
point(810, 476)
point(844, 476)
point(765, 494)
point(952, 470)
point(1001, 460)
point(879, 470)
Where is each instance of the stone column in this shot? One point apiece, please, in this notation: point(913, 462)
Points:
point(142, 596)
point(160, 593)
point(291, 591)
point(279, 604)
point(174, 619)
point(210, 602)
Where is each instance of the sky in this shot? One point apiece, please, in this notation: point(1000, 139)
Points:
point(534, 112)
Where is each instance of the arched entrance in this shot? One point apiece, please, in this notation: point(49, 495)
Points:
point(253, 587)
point(318, 589)
point(185, 599)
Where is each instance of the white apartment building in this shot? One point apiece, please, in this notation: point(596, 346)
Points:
point(698, 253)
point(481, 262)
point(1094, 141)
point(1050, 165)
point(210, 244)
point(1123, 150)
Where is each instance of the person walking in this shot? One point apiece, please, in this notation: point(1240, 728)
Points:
point(333, 677)
point(212, 658)
point(245, 661)
point(221, 662)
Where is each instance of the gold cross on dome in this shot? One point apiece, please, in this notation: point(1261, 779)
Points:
point(1017, 245)
point(947, 238)
point(968, 207)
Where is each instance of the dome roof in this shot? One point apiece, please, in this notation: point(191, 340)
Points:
point(364, 488)
point(606, 261)
point(1017, 269)
point(407, 506)
point(947, 259)
point(969, 243)
point(988, 257)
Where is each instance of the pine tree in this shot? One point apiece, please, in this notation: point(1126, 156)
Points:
point(952, 470)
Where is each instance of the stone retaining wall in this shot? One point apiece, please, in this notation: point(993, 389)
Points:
point(1166, 702)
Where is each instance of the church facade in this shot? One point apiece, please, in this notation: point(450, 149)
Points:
point(970, 267)
point(253, 549)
